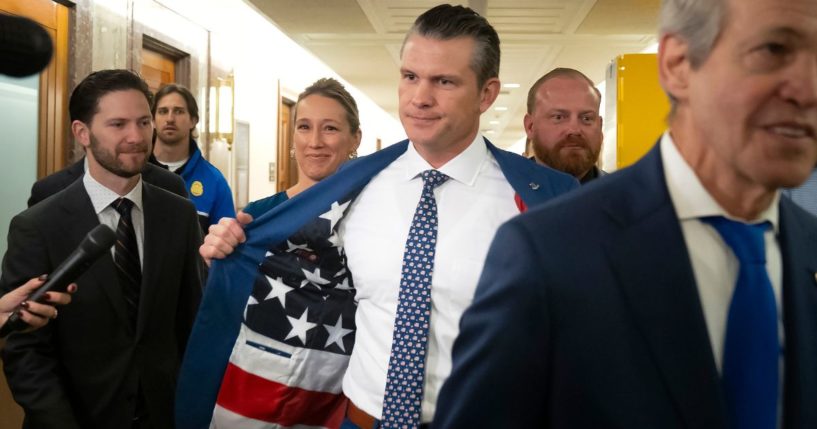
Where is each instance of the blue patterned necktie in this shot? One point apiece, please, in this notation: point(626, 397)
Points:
point(751, 351)
point(406, 374)
point(126, 257)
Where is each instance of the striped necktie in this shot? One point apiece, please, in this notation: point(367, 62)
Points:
point(126, 257)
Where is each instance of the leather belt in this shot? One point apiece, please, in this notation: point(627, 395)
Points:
point(363, 420)
point(359, 417)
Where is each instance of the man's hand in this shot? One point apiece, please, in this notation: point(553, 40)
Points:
point(35, 314)
point(223, 237)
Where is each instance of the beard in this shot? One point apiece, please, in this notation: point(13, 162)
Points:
point(573, 162)
point(173, 140)
point(109, 160)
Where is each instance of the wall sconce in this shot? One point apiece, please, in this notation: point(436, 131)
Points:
point(222, 109)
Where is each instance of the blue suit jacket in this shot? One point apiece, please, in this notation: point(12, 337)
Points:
point(230, 281)
point(587, 316)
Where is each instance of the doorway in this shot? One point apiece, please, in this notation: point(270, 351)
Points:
point(287, 166)
point(34, 110)
point(158, 69)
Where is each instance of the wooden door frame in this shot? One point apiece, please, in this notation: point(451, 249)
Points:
point(53, 148)
point(180, 58)
point(285, 142)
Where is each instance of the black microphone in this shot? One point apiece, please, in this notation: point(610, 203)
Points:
point(92, 247)
point(25, 46)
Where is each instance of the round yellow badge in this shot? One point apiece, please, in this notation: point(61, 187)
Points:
point(196, 189)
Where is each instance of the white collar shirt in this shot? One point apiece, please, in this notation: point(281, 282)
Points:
point(472, 204)
point(713, 262)
point(101, 199)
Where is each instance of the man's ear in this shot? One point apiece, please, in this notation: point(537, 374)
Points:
point(490, 91)
point(81, 132)
point(674, 66)
point(528, 123)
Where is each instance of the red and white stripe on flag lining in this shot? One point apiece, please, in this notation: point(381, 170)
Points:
point(280, 387)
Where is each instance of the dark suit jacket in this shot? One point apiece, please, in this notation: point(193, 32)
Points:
point(587, 315)
point(60, 180)
point(83, 369)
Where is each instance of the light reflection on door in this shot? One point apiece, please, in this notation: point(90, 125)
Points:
point(19, 99)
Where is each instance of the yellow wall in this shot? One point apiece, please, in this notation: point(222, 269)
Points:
point(641, 107)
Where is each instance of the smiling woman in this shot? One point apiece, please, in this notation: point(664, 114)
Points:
point(327, 133)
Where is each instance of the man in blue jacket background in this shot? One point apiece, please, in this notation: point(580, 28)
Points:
point(176, 114)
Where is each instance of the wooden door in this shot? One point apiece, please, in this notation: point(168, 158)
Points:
point(157, 69)
point(287, 166)
point(52, 123)
point(53, 148)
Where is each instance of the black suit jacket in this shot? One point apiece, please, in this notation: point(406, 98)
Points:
point(83, 369)
point(587, 315)
point(53, 183)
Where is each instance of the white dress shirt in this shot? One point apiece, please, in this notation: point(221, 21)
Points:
point(713, 261)
point(101, 199)
point(471, 205)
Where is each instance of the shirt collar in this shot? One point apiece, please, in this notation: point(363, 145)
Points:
point(688, 195)
point(463, 168)
point(102, 197)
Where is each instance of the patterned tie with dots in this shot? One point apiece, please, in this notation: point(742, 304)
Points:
point(404, 382)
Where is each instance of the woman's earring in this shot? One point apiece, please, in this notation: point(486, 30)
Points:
point(353, 154)
point(292, 152)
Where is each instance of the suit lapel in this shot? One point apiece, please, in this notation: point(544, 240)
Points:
point(798, 241)
point(158, 227)
point(534, 183)
point(79, 219)
point(654, 272)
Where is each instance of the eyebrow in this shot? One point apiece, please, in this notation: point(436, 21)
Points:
point(120, 119)
point(783, 31)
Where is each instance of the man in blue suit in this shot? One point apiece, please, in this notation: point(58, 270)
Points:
point(624, 305)
point(324, 319)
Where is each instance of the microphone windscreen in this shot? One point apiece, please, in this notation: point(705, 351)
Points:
point(25, 46)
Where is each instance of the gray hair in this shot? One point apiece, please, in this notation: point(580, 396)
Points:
point(698, 22)
point(445, 22)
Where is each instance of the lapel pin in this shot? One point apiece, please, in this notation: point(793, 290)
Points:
point(533, 185)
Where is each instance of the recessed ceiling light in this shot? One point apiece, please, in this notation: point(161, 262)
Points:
point(493, 122)
point(510, 85)
point(489, 132)
point(500, 108)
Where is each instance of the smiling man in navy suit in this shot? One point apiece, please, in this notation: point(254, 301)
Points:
point(111, 358)
point(631, 304)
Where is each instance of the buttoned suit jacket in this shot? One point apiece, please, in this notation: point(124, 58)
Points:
point(230, 280)
point(60, 180)
point(587, 315)
point(83, 369)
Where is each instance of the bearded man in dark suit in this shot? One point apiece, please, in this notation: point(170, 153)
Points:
point(111, 358)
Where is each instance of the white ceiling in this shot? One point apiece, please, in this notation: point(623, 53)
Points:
point(360, 40)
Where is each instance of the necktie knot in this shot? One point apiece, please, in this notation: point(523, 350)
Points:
point(433, 178)
point(746, 240)
point(122, 206)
